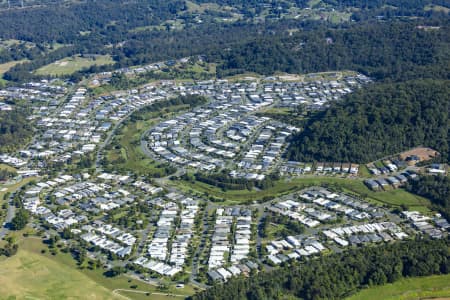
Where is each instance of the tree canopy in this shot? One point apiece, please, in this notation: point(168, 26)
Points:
point(14, 128)
point(339, 275)
point(376, 121)
point(20, 220)
point(435, 188)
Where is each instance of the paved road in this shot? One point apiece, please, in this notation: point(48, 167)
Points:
point(117, 292)
point(146, 150)
point(9, 216)
point(143, 239)
point(200, 249)
point(111, 133)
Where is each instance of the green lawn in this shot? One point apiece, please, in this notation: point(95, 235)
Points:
point(14, 187)
point(338, 17)
point(438, 8)
point(188, 72)
point(201, 8)
point(393, 198)
point(72, 64)
point(273, 232)
point(152, 296)
point(283, 114)
point(408, 289)
point(6, 66)
point(32, 274)
point(398, 197)
point(378, 164)
point(126, 154)
point(102, 90)
point(364, 171)
point(7, 167)
point(28, 275)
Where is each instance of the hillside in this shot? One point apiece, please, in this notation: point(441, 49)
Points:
point(247, 36)
point(435, 188)
point(430, 287)
point(378, 121)
point(29, 275)
point(392, 50)
point(339, 275)
point(206, 149)
point(14, 129)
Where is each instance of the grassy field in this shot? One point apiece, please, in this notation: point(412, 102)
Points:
point(438, 8)
point(188, 72)
point(337, 17)
point(7, 167)
point(364, 171)
point(283, 114)
point(6, 66)
point(28, 275)
point(393, 198)
point(13, 187)
point(198, 68)
point(273, 232)
point(126, 154)
point(277, 112)
point(70, 65)
point(431, 287)
point(32, 274)
point(201, 8)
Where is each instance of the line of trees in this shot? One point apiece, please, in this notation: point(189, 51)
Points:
point(435, 188)
point(20, 220)
point(226, 182)
point(191, 100)
point(339, 275)
point(291, 227)
point(7, 174)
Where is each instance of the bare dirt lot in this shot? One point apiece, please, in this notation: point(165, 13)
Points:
point(422, 153)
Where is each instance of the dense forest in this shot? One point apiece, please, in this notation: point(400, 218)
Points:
point(66, 24)
point(391, 50)
point(132, 33)
point(14, 129)
point(150, 46)
point(339, 275)
point(435, 188)
point(379, 120)
point(20, 51)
